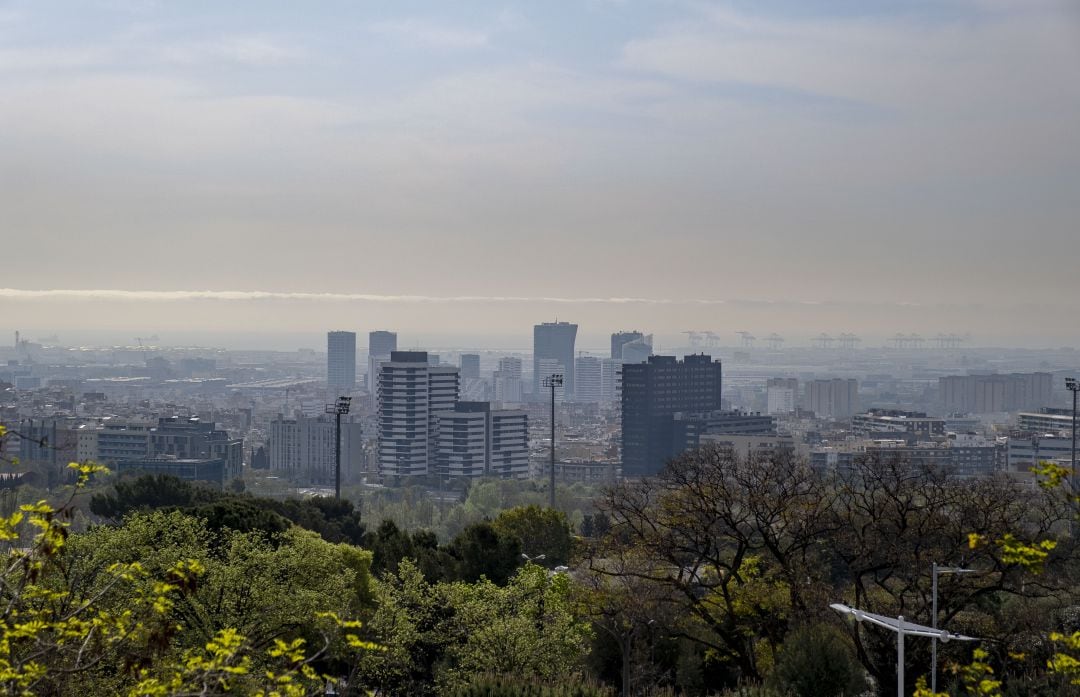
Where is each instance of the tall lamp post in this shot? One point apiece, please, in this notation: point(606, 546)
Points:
point(1073, 385)
point(902, 629)
point(338, 409)
point(553, 381)
point(936, 570)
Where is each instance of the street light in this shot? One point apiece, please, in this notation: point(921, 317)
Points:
point(902, 629)
point(933, 620)
point(553, 381)
point(533, 560)
point(338, 409)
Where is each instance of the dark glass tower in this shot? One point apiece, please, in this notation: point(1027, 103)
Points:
point(652, 393)
point(554, 341)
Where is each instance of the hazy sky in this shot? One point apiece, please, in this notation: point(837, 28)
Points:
point(802, 166)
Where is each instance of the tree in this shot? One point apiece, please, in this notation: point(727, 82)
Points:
point(817, 661)
point(482, 551)
point(540, 531)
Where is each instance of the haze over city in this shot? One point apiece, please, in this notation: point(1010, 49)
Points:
point(460, 173)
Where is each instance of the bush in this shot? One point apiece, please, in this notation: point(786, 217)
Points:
point(817, 661)
point(509, 686)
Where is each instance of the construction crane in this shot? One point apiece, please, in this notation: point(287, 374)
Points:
point(775, 341)
point(823, 341)
point(748, 339)
point(915, 341)
point(712, 339)
point(848, 341)
point(693, 337)
point(899, 340)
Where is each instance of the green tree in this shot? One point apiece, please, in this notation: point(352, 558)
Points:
point(817, 661)
point(540, 531)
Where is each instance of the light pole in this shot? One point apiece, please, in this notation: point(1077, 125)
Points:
point(935, 570)
point(553, 381)
point(1073, 385)
point(338, 409)
point(902, 629)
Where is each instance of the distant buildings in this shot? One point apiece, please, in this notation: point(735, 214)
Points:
point(380, 345)
point(341, 360)
point(636, 351)
point(652, 393)
point(689, 428)
point(833, 399)
point(589, 373)
point(411, 392)
point(470, 366)
point(302, 448)
point(892, 423)
point(781, 395)
point(554, 342)
point(620, 339)
point(985, 394)
point(507, 381)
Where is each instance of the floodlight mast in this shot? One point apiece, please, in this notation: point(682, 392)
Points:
point(338, 409)
point(553, 381)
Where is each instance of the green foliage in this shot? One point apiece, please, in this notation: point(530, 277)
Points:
point(335, 521)
point(540, 531)
point(817, 661)
point(440, 636)
point(482, 551)
point(513, 686)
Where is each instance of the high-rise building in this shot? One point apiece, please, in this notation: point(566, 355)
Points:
point(985, 394)
point(833, 399)
point(341, 360)
point(507, 380)
point(589, 372)
point(547, 367)
point(636, 352)
point(474, 440)
point(620, 339)
point(781, 395)
point(411, 393)
point(303, 448)
point(382, 343)
point(554, 341)
point(652, 393)
point(610, 379)
point(470, 366)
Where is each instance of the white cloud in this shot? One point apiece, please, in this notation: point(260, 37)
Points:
point(422, 32)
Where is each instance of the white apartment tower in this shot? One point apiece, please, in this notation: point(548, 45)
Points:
point(410, 393)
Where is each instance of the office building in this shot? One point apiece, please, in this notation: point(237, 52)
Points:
point(191, 439)
point(689, 427)
point(652, 393)
point(302, 448)
point(470, 366)
point(341, 360)
point(833, 399)
point(411, 392)
point(554, 341)
point(620, 339)
point(507, 382)
point(548, 367)
point(1046, 420)
point(610, 380)
point(1023, 452)
point(474, 440)
point(589, 373)
point(636, 352)
point(781, 395)
point(985, 394)
point(892, 423)
point(382, 343)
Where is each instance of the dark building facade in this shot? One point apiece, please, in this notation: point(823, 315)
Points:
point(689, 427)
point(652, 394)
point(382, 343)
point(554, 341)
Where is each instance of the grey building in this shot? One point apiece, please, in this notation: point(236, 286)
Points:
point(382, 343)
point(470, 366)
point(190, 439)
point(303, 448)
point(689, 428)
point(341, 360)
point(475, 440)
point(554, 341)
point(620, 339)
point(833, 399)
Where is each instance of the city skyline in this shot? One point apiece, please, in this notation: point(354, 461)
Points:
point(768, 167)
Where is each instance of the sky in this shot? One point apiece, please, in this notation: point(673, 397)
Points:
point(450, 169)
